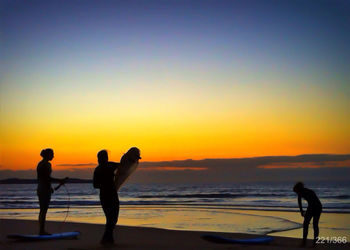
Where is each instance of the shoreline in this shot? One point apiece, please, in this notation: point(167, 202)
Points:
point(130, 237)
point(272, 232)
point(272, 223)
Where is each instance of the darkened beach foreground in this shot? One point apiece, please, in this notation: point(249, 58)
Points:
point(135, 238)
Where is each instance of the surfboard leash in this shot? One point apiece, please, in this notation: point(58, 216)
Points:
point(68, 203)
point(68, 207)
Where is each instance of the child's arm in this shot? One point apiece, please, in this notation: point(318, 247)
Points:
point(300, 206)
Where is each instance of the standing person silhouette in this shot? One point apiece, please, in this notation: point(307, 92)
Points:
point(44, 188)
point(313, 210)
point(104, 180)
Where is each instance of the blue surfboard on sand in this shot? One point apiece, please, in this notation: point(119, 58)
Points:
point(224, 240)
point(64, 235)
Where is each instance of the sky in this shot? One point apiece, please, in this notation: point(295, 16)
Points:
point(178, 79)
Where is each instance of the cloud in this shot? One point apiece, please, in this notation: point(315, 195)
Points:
point(82, 173)
point(282, 168)
point(165, 168)
point(323, 167)
point(76, 165)
point(326, 164)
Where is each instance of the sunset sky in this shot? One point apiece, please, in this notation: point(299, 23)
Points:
point(178, 79)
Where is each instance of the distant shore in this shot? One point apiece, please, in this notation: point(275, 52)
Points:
point(35, 181)
point(134, 238)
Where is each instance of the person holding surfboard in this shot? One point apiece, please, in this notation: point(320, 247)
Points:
point(106, 180)
point(313, 210)
point(44, 188)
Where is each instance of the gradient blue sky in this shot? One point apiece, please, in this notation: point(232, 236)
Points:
point(304, 37)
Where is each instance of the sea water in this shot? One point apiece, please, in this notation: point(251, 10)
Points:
point(260, 208)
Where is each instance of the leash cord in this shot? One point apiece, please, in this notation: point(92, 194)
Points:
point(68, 204)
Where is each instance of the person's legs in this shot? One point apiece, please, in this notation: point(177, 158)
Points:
point(315, 224)
point(106, 208)
point(44, 201)
point(110, 207)
point(307, 219)
point(42, 218)
point(115, 213)
point(110, 222)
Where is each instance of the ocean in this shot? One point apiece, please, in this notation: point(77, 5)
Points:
point(233, 207)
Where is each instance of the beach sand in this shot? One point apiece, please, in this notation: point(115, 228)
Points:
point(134, 238)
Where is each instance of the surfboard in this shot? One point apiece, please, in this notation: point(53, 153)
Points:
point(64, 235)
point(124, 173)
point(224, 240)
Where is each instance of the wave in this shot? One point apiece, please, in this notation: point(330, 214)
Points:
point(166, 203)
point(340, 197)
point(257, 196)
point(212, 195)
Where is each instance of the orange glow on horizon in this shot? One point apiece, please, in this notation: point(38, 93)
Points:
point(334, 164)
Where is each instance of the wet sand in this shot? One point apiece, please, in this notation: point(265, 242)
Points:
point(128, 237)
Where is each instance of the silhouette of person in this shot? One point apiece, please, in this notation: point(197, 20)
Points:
point(313, 210)
point(44, 188)
point(104, 180)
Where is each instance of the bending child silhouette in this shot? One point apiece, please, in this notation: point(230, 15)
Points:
point(44, 188)
point(313, 210)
